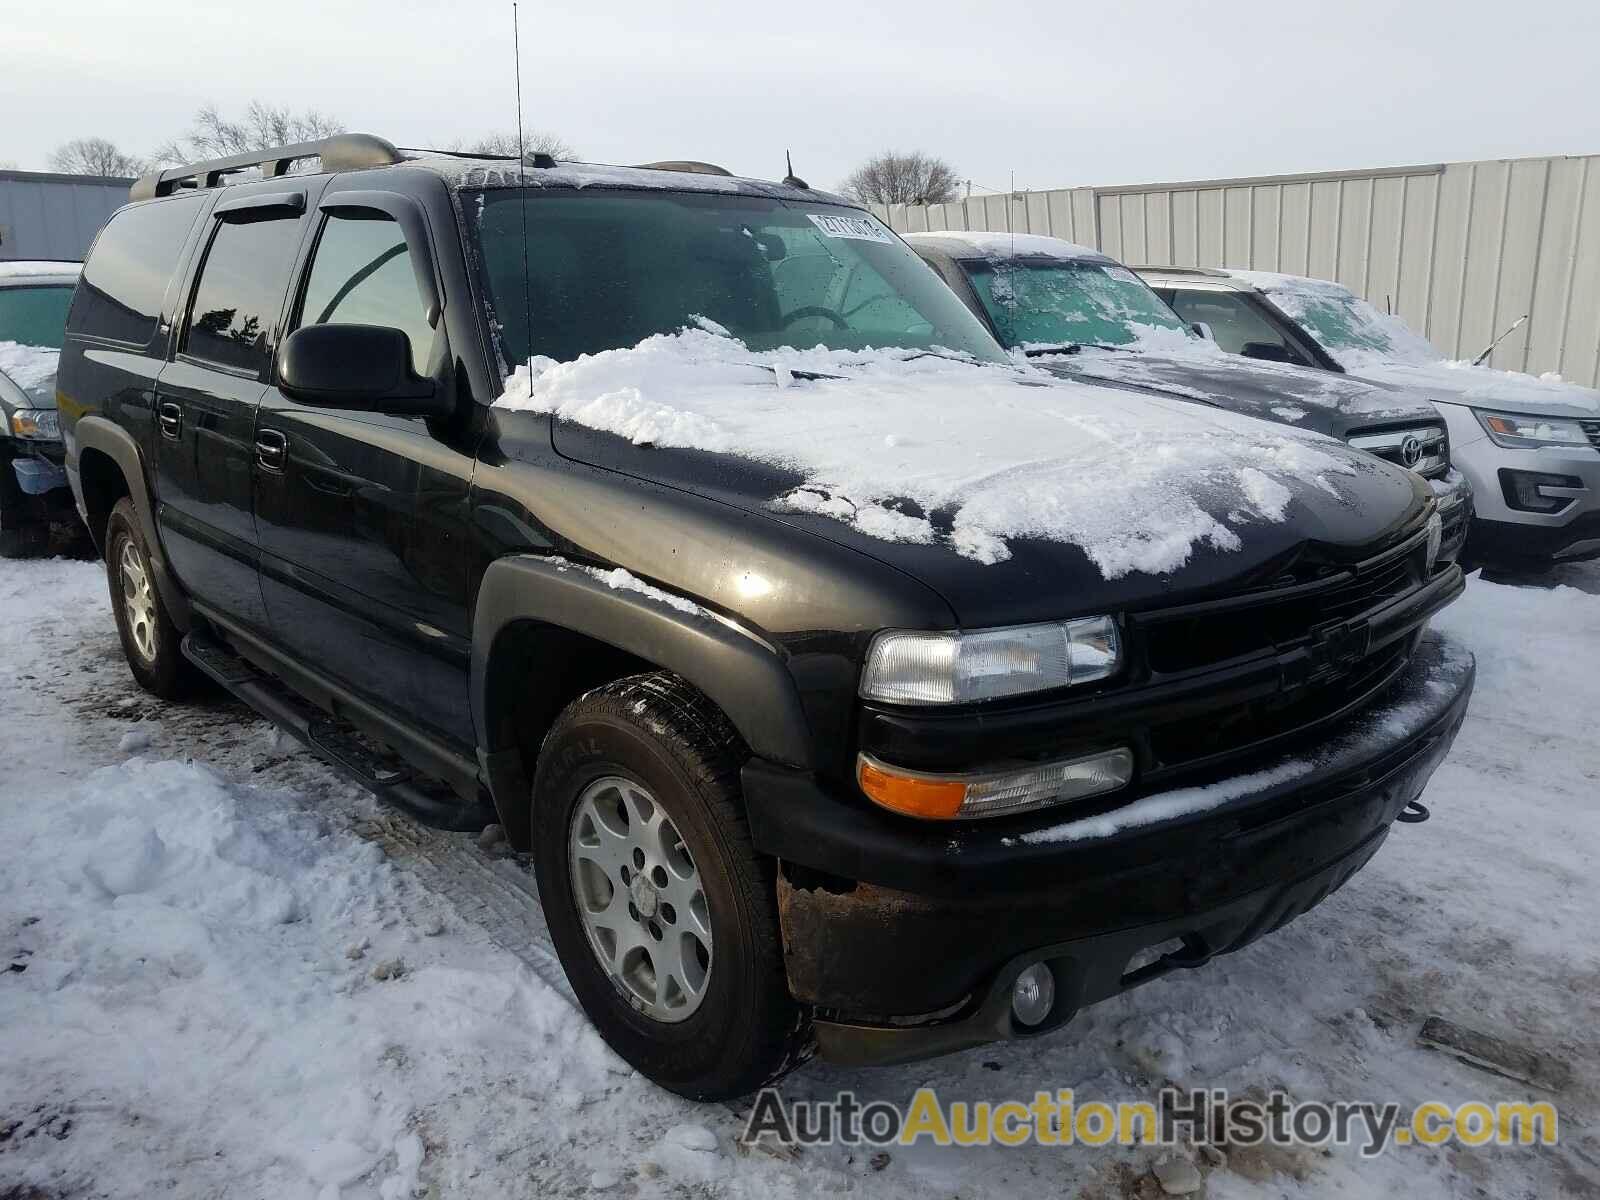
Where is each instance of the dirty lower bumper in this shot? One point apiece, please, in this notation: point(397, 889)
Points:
point(914, 952)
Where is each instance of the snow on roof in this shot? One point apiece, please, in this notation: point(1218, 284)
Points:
point(1136, 482)
point(1004, 245)
point(22, 268)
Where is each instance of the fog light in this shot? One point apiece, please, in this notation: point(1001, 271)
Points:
point(1535, 491)
point(1033, 995)
point(992, 793)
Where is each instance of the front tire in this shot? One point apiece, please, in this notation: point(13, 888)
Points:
point(151, 643)
point(663, 914)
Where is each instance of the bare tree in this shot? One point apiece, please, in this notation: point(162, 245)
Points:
point(895, 178)
point(534, 141)
point(262, 127)
point(94, 156)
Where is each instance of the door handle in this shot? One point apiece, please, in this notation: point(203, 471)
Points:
point(272, 450)
point(170, 417)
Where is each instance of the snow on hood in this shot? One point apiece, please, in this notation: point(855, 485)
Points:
point(31, 368)
point(1458, 382)
point(1176, 362)
point(893, 435)
point(1391, 352)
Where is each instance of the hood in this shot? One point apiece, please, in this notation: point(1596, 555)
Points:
point(1482, 387)
point(30, 372)
point(1317, 400)
point(1015, 495)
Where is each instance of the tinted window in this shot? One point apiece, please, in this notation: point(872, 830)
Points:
point(34, 316)
point(240, 293)
point(129, 269)
point(608, 270)
point(1235, 322)
point(362, 275)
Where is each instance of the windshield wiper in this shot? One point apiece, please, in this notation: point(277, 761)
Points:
point(1070, 348)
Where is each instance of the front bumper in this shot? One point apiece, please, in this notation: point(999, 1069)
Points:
point(1502, 532)
point(1454, 494)
point(33, 482)
point(907, 938)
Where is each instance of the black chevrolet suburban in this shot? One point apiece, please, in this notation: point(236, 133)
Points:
point(797, 772)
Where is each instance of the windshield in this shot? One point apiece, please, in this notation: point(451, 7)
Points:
point(605, 270)
point(1053, 302)
point(1341, 321)
point(34, 316)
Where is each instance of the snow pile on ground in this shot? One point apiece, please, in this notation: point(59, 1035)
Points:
point(231, 974)
point(28, 366)
point(891, 437)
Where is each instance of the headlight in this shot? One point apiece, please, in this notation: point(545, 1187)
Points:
point(36, 424)
point(1514, 432)
point(909, 667)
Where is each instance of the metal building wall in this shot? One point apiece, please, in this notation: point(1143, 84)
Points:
point(44, 215)
point(1459, 250)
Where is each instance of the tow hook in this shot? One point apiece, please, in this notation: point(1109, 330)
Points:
point(1414, 813)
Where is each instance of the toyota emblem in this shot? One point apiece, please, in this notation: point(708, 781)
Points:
point(1411, 450)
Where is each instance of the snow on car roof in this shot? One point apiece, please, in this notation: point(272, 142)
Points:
point(1136, 482)
point(27, 268)
point(1005, 245)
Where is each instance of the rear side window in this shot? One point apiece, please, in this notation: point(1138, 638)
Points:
point(233, 319)
point(119, 296)
point(1234, 321)
point(362, 275)
point(34, 316)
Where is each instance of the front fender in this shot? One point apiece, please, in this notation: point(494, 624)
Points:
point(743, 674)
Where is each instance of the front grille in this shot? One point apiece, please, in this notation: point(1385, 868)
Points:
point(1309, 622)
point(1591, 430)
point(1182, 641)
point(1420, 448)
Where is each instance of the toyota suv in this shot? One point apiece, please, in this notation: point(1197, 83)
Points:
point(853, 688)
point(33, 486)
point(1078, 312)
point(1530, 445)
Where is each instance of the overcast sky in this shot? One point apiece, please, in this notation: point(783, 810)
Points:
point(1061, 93)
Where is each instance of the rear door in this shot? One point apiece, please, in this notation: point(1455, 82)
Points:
point(363, 519)
point(206, 399)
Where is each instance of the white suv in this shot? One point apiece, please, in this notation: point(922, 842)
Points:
point(1529, 444)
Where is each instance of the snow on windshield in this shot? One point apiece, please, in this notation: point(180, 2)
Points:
point(1345, 325)
point(894, 435)
point(31, 368)
point(1384, 347)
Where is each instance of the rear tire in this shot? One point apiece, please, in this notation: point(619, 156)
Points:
point(649, 767)
point(151, 643)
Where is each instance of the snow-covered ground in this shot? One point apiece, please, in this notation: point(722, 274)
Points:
point(232, 974)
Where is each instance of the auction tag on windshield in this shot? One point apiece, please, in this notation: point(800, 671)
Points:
point(865, 229)
point(1121, 274)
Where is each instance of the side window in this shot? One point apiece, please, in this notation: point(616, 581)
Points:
point(132, 262)
point(362, 275)
point(1234, 320)
point(240, 294)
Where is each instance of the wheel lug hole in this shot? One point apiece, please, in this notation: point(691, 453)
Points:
point(669, 914)
point(638, 858)
point(655, 931)
point(632, 911)
point(626, 876)
point(659, 876)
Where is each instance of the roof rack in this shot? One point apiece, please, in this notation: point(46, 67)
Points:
point(690, 165)
point(342, 152)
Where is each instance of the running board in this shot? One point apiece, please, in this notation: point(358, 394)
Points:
point(340, 744)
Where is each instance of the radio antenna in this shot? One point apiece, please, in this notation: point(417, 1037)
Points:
point(522, 200)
